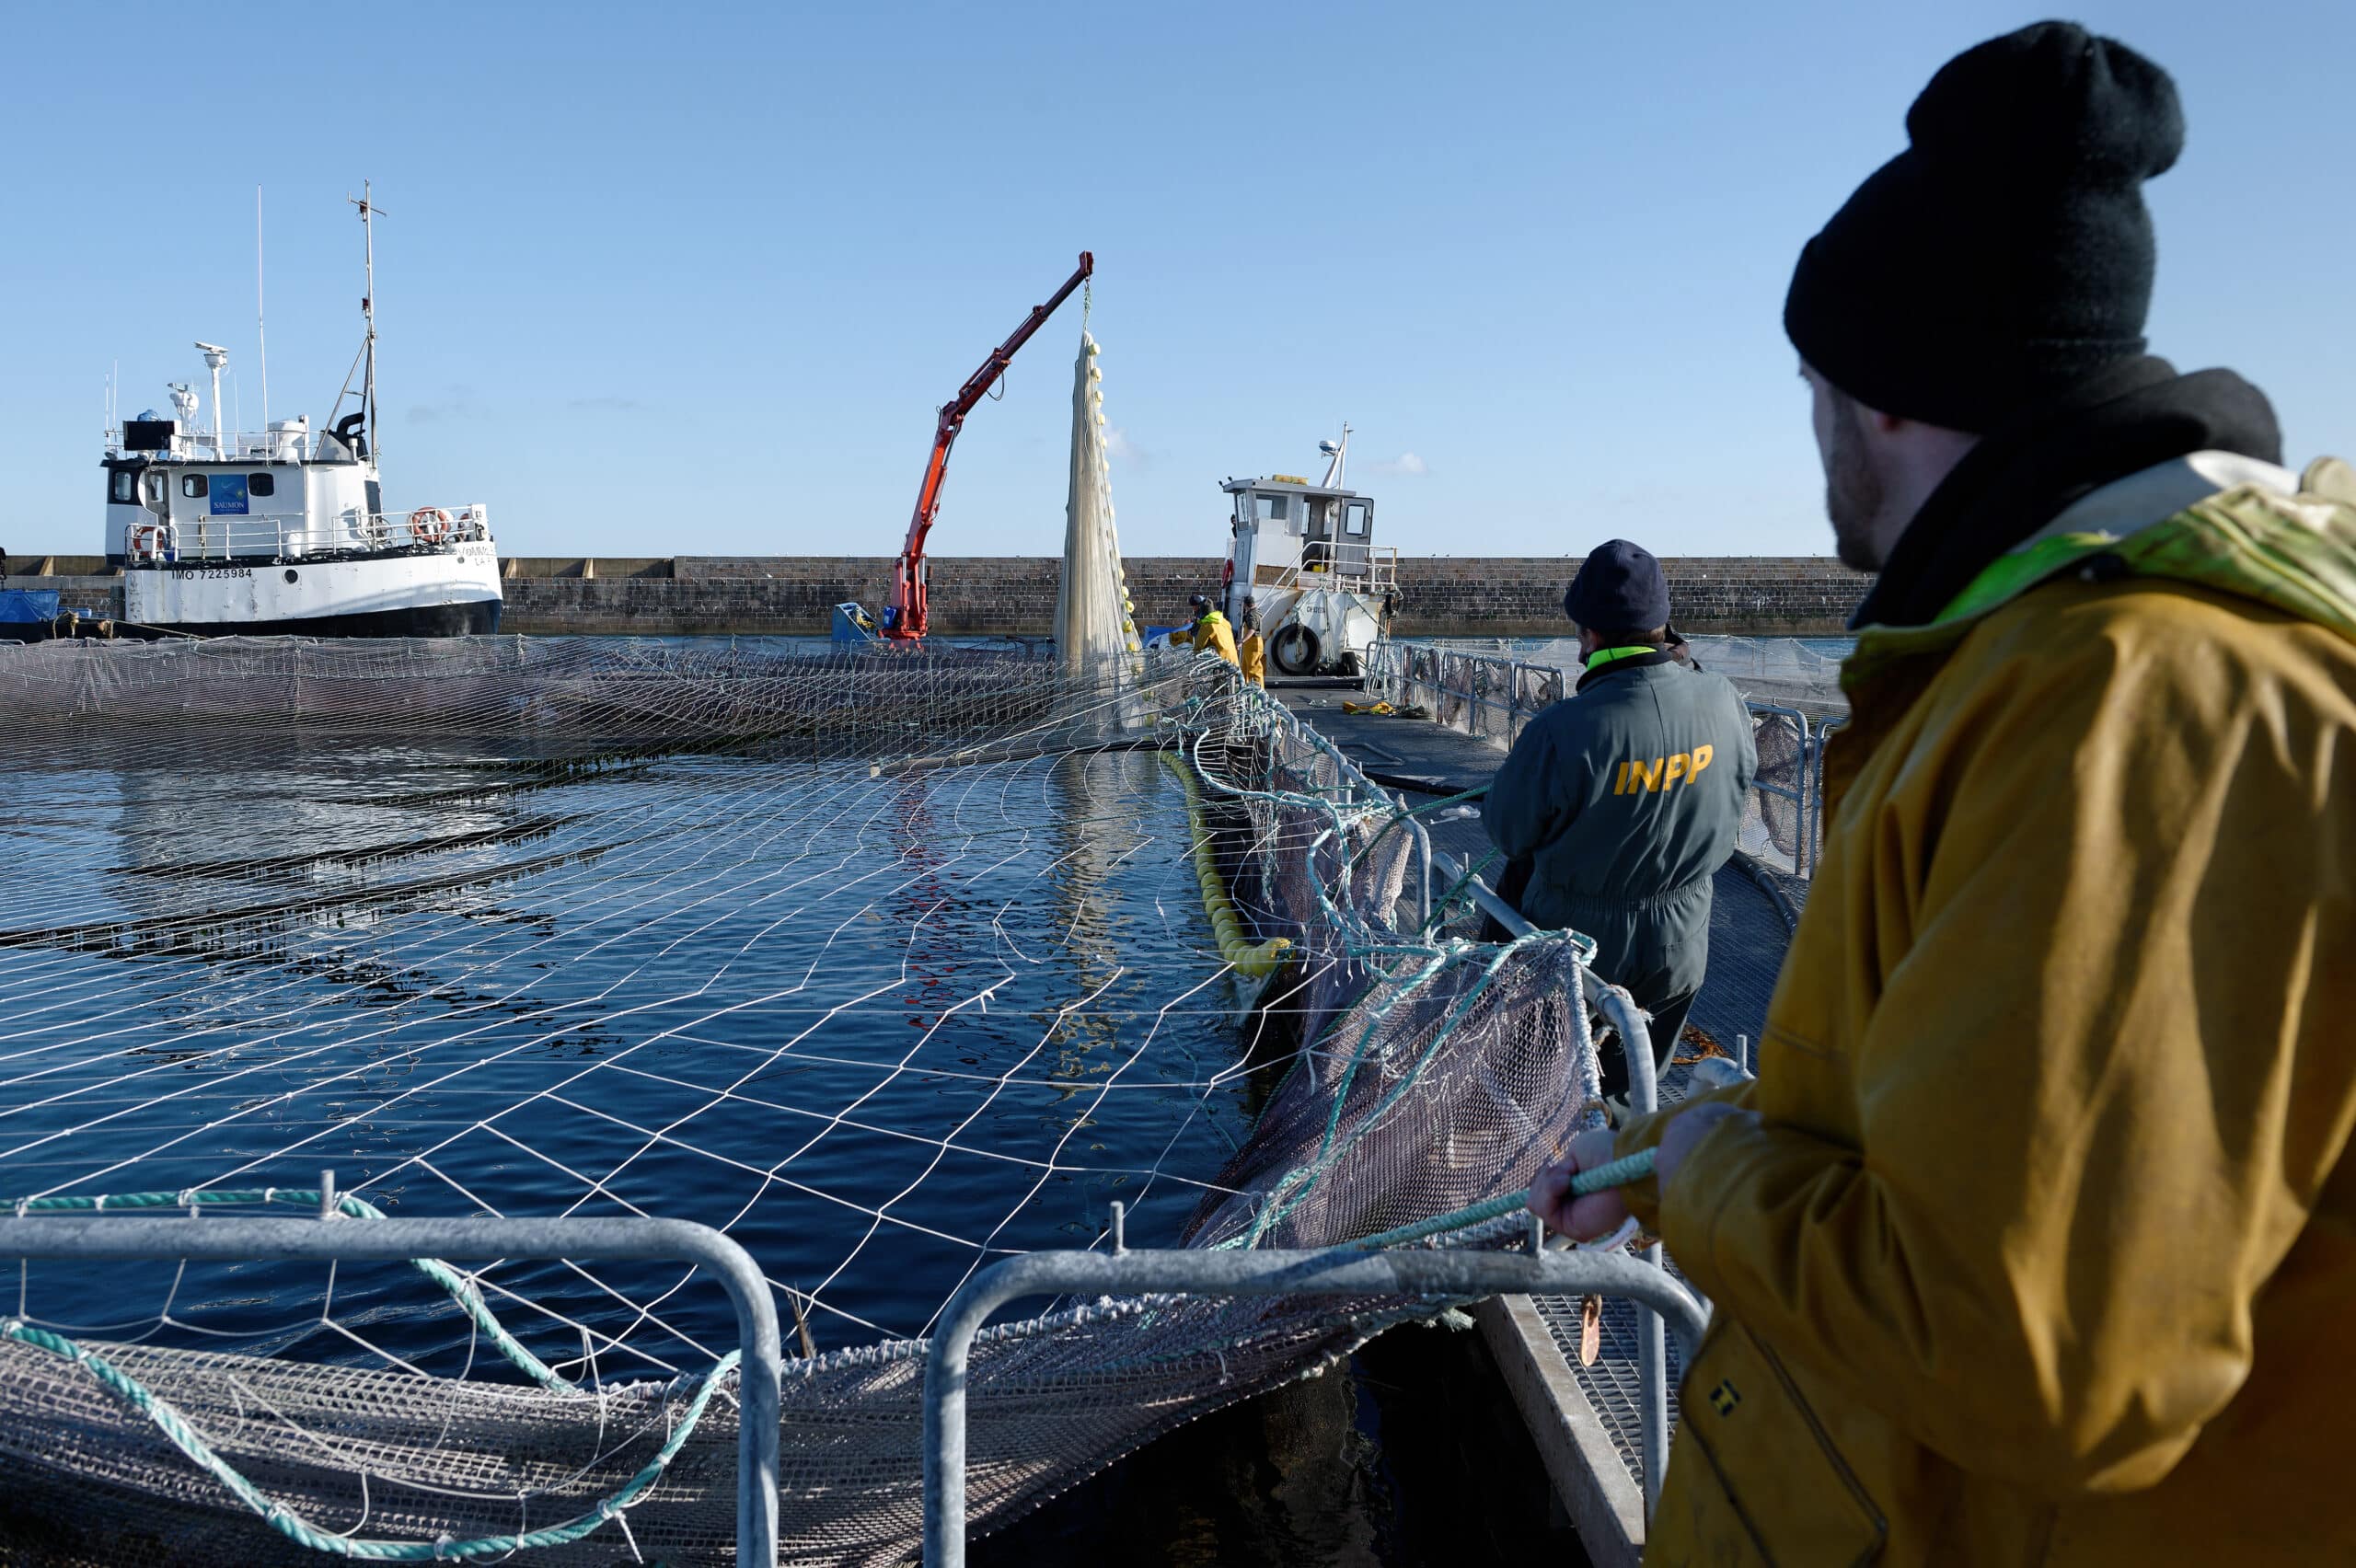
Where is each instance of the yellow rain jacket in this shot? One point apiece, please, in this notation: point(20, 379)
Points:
point(1212, 634)
point(2044, 1248)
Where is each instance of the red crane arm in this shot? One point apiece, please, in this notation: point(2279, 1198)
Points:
point(905, 618)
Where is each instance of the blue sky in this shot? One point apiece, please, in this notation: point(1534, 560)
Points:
point(692, 279)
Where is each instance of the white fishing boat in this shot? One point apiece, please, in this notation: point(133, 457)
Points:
point(225, 533)
point(1304, 553)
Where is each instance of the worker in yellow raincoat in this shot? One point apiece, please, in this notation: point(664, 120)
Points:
point(2034, 1241)
point(1210, 633)
point(1250, 653)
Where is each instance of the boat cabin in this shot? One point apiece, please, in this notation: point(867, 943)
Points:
point(284, 494)
point(1288, 533)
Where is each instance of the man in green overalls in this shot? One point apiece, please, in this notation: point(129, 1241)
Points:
point(1625, 797)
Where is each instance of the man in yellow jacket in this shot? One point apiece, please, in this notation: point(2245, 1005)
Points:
point(1250, 653)
point(2035, 1240)
point(1211, 632)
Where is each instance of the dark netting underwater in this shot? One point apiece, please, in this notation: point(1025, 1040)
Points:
point(889, 965)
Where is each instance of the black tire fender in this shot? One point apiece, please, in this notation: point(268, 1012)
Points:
point(1295, 648)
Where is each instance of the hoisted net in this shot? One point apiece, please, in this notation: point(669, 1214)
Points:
point(889, 965)
point(1095, 629)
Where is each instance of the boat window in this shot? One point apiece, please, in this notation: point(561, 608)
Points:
point(192, 486)
point(261, 484)
point(1274, 508)
point(122, 485)
point(1320, 517)
point(1354, 518)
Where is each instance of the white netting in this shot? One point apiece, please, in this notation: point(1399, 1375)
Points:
point(1093, 629)
point(888, 964)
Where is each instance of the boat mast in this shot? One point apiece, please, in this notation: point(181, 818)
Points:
point(368, 210)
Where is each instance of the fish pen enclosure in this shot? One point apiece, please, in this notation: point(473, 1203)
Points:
point(888, 966)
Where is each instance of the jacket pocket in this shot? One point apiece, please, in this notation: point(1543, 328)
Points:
point(1781, 1484)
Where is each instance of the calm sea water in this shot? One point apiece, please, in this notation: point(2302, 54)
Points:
point(881, 1030)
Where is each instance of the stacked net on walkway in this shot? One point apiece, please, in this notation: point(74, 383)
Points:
point(889, 965)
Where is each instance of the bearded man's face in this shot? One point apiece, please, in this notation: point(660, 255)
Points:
point(1853, 492)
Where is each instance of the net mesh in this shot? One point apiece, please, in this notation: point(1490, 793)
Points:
point(888, 964)
point(1093, 629)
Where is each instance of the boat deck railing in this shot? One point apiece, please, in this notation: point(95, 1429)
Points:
point(196, 445)
point(1352, 569)
point(223, 537)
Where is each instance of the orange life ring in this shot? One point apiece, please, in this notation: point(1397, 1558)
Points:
point(430, 523)
point(146, 537)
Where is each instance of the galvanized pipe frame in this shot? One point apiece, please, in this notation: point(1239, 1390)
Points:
point(1644, 1097)
point(1340, 1271)
point(217, 1238)
point(1814, 824)
point(1796, 795)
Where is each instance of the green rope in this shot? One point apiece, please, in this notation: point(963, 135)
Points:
point(460, 1289)
point(294, 1527)
point(1624, 1171)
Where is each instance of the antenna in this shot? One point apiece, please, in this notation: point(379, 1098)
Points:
point(262, 342)
point(365, 201)
point(1339, 451)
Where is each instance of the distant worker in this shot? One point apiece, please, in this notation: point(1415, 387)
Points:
point(1625, 798)
point(1250, 653)
point(2035, 1240)
point(1211, 634)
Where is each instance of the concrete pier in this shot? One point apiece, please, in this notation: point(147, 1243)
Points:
point(1015, 596)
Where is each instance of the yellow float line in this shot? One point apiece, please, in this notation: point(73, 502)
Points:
point(1254, 959)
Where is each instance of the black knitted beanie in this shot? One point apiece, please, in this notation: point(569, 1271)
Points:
point(2007, 254)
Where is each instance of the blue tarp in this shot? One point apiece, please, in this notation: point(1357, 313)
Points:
point(20, 607)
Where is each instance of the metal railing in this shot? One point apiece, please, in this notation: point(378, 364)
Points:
point(195, 443)
point(1804, 829)
point(1339, 1271)
point(1375, 570)
point(216, 537)
point(1814, 823)
point(1644, 1277)
point(335, 1238)
point(1644, 1098)
point(1491, 695)
point(1644, 1095)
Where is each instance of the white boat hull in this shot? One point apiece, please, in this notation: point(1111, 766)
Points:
point(416, 594)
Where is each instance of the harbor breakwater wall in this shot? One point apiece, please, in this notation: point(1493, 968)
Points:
point(987, 595)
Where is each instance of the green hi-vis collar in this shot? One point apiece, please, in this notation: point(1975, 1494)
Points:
point(1603, 656)
point(2294, 553)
